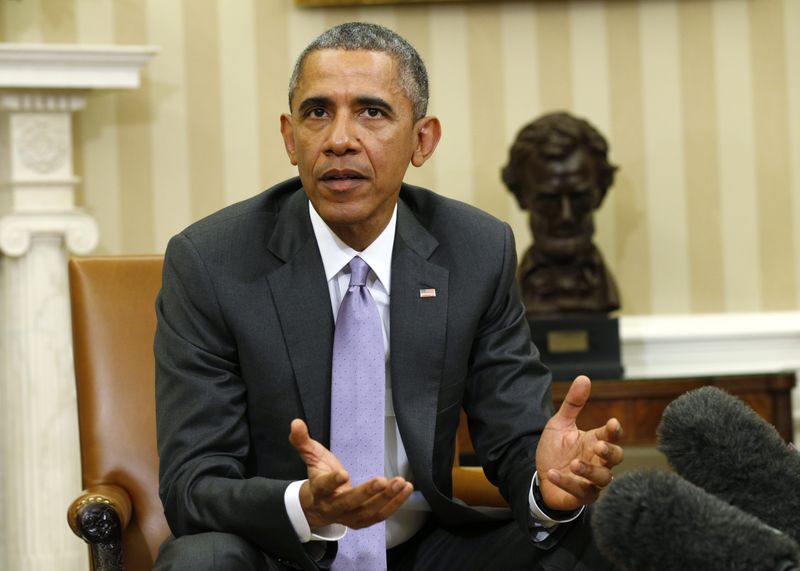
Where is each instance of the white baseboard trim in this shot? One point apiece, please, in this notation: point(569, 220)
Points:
point(704, 344)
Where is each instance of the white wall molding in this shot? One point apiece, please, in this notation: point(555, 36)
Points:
point(670, 345)
point(713, 344)
point(72, 66)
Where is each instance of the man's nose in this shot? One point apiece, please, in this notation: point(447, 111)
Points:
point(343, 136)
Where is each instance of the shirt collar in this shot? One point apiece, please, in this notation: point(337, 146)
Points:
point(336, 254)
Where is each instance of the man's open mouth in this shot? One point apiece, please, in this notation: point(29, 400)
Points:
point(342, 175)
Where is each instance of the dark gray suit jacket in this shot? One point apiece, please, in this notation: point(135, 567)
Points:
point(244, 342)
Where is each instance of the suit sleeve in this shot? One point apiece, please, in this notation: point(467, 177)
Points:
point(201, 414)
point(508, 398)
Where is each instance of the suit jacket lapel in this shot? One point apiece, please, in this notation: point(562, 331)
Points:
point(418, 327)
point(301, 296)
point(418, 324)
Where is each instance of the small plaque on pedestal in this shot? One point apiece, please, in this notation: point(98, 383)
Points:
point(572, 345)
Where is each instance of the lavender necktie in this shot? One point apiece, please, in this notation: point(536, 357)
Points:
point(357, 411)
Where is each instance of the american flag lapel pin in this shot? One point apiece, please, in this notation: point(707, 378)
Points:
point(427, 292)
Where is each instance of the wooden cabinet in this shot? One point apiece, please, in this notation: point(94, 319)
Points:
point(639, 403)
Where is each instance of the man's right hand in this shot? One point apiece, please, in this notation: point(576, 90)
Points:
point(329, 497)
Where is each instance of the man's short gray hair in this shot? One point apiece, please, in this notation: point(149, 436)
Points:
point(372, 37)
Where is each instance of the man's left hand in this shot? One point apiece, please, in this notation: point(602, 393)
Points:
point(575, 465)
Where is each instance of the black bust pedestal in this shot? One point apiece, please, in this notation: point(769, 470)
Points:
point(572, 345)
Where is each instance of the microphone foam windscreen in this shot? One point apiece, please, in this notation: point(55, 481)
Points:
point(656, 521)
point(717, 442)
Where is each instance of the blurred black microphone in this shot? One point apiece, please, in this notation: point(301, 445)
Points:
point(657, 521)
point(717, 442)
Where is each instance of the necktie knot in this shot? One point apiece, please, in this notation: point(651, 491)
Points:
point(358, 272)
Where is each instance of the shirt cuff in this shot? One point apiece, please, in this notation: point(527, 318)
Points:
point(538, 514)
point(291, 499)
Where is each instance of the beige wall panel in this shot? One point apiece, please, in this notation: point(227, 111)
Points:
point(485, 102)
point(449, 75)
point(412, 22)
point(335, 16)
point(304, 26)
point(701, 155)
point(94, 22)
point(99, 169)
point(740, 255)
point(169, 132)
point(590, 98)
point(238, 84)
point(553, 35)
point(589, 62)
point(627, 135)
point(58, 22)
point(698, 98)
point(272, 31)
point(521, 92)
point(134, 120)
point(664, 166)
point(383, 15)
point(99, 189)
point(778, 259)
point(204, 106)
point(22, 21)
point(792, 34)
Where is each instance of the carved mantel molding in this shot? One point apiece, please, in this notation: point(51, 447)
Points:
point(78, 231)
point(42, 101)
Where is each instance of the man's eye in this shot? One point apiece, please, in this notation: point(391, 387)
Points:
point(374, 112)
point(316, 112)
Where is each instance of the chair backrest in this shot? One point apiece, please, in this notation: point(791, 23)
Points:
point(113, 322)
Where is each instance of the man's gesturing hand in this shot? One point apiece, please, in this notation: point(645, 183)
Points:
point(574, 465)
point(329, 497)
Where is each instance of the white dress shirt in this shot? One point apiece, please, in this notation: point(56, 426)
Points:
point(411, 516)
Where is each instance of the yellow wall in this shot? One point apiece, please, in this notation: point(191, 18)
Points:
point(700, 100)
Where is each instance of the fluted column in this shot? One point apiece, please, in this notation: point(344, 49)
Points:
point(39, 228)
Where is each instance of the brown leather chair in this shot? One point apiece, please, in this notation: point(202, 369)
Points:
point(113, 322)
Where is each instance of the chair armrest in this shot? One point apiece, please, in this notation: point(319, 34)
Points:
point(98, 516)
point(471, 486)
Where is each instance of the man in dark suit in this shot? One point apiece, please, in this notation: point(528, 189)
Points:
point(244, 351)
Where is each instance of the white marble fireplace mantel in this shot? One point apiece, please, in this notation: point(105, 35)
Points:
point(40, 226)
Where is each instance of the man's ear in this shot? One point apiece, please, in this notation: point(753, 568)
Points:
point(287, 131)
point(428, 132)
